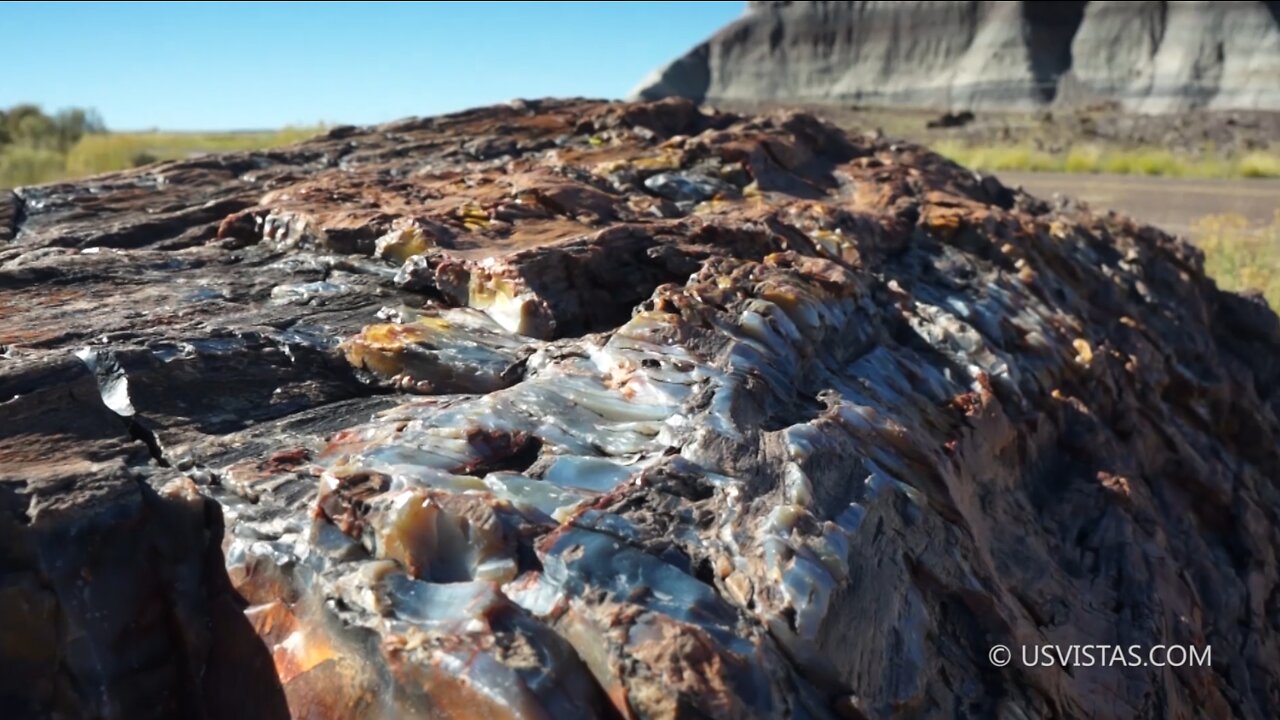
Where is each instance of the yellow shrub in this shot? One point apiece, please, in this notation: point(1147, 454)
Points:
point(1117, 164)
point(1157, 162)
point(1259, 165)
point(1240, 256)
point(1083, 159)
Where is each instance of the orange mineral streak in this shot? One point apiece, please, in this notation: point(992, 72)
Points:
point(295, 648)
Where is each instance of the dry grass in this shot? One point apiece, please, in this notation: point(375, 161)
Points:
point(21, 165)
point(1092, 158)
point(1241, 256)
point(1259, 164)
point(107, 152)
point(115, 151)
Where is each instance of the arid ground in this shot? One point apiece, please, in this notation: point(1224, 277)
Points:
point(1177, 205)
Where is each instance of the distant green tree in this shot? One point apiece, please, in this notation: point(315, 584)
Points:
point(27, 125)
point(74, 123)
point(36, 130)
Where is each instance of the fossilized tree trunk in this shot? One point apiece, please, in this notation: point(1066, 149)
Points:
point(574, 409)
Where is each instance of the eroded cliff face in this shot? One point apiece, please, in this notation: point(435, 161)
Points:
point(1150, 57)
point(574, 409)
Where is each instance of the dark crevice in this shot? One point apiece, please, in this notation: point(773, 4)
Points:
point(501, 452)
point(1049, 30)
point(13, 213)
point(140, 432)
point(113, 386)
point(802, 408)
point(19, 214)
point(679, 479)
point(704, 572)
point(235, 650)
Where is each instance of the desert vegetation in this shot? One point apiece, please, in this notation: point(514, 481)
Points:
point(36, 147)
point(1242, 256)
point(1110, 159)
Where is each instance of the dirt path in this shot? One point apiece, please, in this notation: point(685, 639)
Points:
point(1171, 203)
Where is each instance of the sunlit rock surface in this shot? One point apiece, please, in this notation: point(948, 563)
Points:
point(576, 409)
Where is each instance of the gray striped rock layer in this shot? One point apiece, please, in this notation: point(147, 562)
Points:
point(1150, 57)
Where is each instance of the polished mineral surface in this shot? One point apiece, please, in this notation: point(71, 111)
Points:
point(573, 409)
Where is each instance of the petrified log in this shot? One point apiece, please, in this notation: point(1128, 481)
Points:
point(578, 409)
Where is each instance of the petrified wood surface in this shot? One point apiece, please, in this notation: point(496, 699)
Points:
point(575, 409)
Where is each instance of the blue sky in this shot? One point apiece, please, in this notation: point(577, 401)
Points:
point(246, 66)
